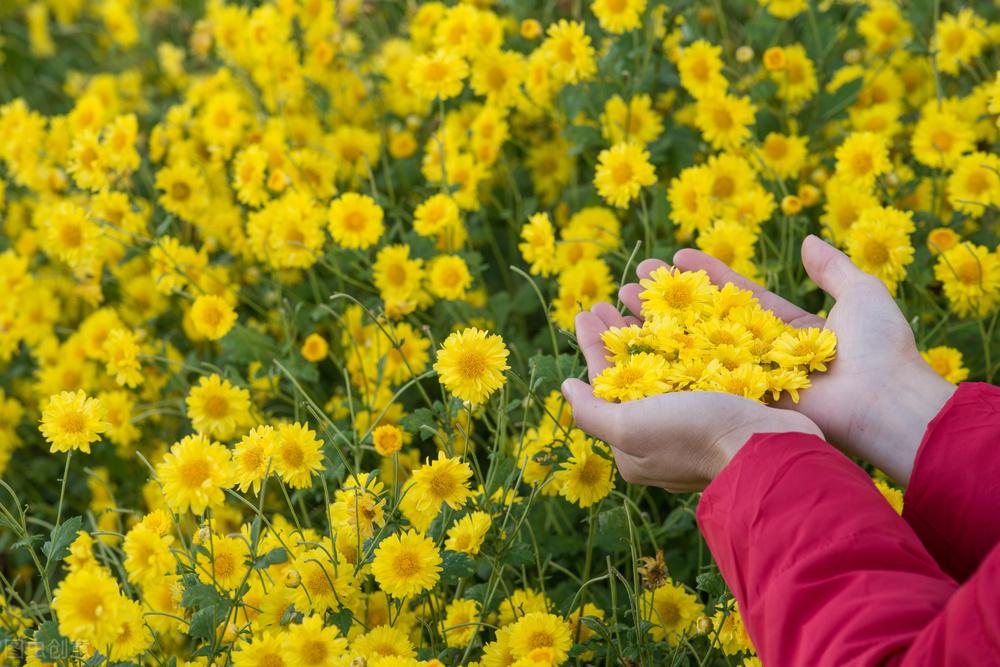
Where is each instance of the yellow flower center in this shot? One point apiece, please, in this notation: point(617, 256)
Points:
point(180, 191)
point(968, 272)
point(471, 364)
point(722, 118)
point(211, 316)
point(73, 423)
point(621, 173)
point(724, 252)
point(589, 473)
point(942, 140)
point(565, 51)
point(270, 660)
point(90, 606)
point(216, 407)
point(435, 71)
point(616, 6)
point(195, 473)
point(292, 454)
point(496, 78)
point(723, 186)
point(70, 235)
point(862, 162)
point(223, 564)
point(977, 182)
point(442, 485)
point(540, 639)
point(875, 253)
point(406, 565)
point(668, 612)
point(354, 221)
point(954, 39)
point(678, 295)
point(700, 69)
point(314, 652)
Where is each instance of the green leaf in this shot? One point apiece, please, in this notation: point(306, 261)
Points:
point(57, 547)
point(835, 103)
point(245, 344)
point(52, 646)
point(204, 621)
point(712, 583)
point(272, 557)
point(197, 594)
point(611, 533)
point(456, 565)
point(342, 620)
point(550, 371)
point(679, 521)
point(418, 419)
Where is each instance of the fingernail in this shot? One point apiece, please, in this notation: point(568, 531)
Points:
point(567, 389)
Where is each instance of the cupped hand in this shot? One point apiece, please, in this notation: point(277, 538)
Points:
point(678, 441)
point(877, 397)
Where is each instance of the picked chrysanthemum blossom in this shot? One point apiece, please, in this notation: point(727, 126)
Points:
point(696, 336)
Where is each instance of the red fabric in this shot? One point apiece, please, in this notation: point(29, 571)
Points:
point(953, 501)
point(825, 571)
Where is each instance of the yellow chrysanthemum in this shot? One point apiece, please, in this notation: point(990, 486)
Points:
point(671, 610)
point(194, 473)
point(618, 16)
point(212, 316)
point(72, 420)
point(355, 221)
point(217, 408)
point(588, 476)
point(467, 534)
point(471, 364)
point(622, 171)
point(970, 275)
point(946, 362)
point(406, 564)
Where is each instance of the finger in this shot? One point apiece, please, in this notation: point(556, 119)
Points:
point(589, 328)
point(632, 321)
point(627, 467)
point(608, 314)
point(829, 268)
point(647, 266)
point(689, 259)
point(629, 295)
point(597, 417)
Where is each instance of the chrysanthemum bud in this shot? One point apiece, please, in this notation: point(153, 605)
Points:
point(774, 59)
point(852, 56)
point(530, 29)
point(791, 205)
point(292, 578)
point(744, 54)
point(809, 195)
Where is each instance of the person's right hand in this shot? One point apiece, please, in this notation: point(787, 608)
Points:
point(878, 396)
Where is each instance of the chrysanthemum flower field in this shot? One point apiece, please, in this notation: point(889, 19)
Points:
point(289, 290)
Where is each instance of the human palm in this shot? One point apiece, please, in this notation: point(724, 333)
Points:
point(877, 396)
point(677, 441)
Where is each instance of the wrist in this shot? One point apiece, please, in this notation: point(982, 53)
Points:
point(902, 412)
point(776, 421)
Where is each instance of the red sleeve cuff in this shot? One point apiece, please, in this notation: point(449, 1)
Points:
point(954, 491)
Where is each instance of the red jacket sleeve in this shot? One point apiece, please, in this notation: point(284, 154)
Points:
point(826, 573)
point(953, 500)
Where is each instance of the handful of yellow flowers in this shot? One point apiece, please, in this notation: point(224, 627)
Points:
point(696, 336)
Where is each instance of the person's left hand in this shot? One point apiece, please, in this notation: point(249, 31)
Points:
point(678, 441)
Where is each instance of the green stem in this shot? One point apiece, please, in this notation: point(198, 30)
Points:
point(62, 488)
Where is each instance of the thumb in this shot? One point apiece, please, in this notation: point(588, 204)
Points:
point(829, 268)
point(594, 415)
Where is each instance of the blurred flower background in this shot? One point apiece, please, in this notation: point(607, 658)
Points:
point(290, 286)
